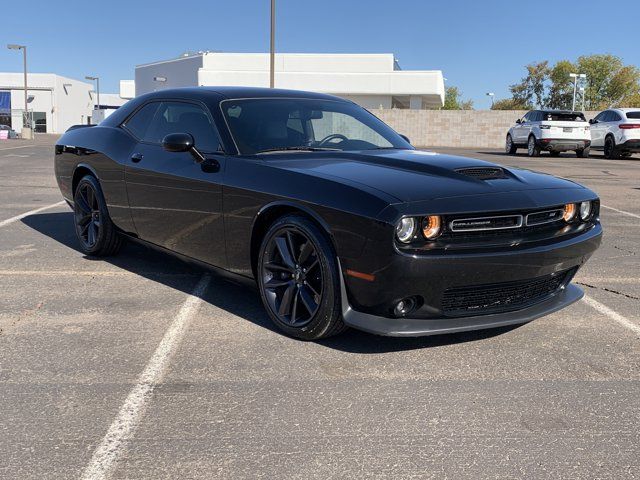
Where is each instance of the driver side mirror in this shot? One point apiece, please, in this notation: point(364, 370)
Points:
point(405, 138)
point(518, 121)
point(182, 142)
point(592, 121)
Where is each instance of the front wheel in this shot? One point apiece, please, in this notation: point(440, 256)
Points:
point(509, 146)
point(533, 150)
point(299, 280)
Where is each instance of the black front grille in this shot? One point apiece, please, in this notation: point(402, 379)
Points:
point(501, 297)
point(482, 173)
point(485, 223)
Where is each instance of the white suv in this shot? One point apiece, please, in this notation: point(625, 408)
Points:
point(617, 132)
point(552, 130)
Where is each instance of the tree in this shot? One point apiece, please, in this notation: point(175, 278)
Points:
point(510, 104)
point(560, 94)
point(600, 69)
point(609, 83)
point(531, 88)
point(452, 100)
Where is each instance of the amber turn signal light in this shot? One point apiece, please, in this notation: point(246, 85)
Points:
point(431, 227)
point(569, 212)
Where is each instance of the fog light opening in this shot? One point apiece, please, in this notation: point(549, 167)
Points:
point(405, 307)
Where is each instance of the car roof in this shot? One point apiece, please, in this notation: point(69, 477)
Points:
point(562, 112)
point(239, 92)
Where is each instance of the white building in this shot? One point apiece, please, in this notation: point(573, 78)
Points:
point(372, 80)
point(56, 102)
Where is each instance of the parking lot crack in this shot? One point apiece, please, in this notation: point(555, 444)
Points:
point(626, 295)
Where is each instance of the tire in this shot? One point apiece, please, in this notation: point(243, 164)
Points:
point(583, 152)
point(554, 154)
point(532, 149)
point(94, 229)
point(298, 279)
point(610, 150)
point(509, 146)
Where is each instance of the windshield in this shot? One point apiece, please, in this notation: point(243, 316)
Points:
point(276, 124)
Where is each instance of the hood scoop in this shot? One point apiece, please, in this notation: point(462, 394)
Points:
point(483, 173)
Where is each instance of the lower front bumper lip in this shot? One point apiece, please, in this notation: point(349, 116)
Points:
point(417, 327)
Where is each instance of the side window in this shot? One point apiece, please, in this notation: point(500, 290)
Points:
point(183, 117)
point(600, 117)
point(139, 123)
point(615, 117)
point(529, 117)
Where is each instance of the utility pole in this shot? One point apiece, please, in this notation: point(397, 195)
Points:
point(25, 133)
point(272, 51)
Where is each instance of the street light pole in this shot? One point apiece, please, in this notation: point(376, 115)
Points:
point(575, 77)
point(26, 100)
point(491, 95)
point(272, 51)
point(97, 80)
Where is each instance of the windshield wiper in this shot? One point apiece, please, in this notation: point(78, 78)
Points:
point(299, 149)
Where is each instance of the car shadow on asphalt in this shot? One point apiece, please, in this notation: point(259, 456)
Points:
point(236, 296)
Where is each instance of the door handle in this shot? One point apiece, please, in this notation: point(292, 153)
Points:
point(136, 157)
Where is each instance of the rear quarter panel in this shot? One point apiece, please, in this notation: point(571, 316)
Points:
point(103, 151)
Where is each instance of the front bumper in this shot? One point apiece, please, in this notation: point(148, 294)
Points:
point(413, 327)
point(562, 144)
point(367, 305)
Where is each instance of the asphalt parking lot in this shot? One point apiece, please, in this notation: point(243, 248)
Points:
point(233, 398)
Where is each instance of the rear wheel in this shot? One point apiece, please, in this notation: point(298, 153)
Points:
point(533, 150)
point(610, 150)
point(583, 152)
point(95, 231)
point(509, 146)
point(298, 279)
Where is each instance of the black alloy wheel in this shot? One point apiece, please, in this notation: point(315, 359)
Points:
point(509, 146)
point(298, 279)
point(610, 148)
point(94, 229)
point(292, 277)
point(87, 216)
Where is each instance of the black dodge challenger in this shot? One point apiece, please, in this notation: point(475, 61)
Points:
point(337, 217)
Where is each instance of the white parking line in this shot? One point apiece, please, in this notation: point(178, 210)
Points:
point(6, 222)
point(621, 211)
point(22, 146)
point(122, 429)
point(615, 316)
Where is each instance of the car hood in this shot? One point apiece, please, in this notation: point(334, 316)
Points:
point(414, 175)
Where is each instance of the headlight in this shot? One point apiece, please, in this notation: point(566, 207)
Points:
point(569, 212)
point(585, 210)
point(431, 227)
point(406, 229)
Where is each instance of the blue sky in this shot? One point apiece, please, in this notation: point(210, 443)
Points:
point(480, 46)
